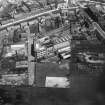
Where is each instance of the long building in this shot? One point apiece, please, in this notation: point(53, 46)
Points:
point(94, 15)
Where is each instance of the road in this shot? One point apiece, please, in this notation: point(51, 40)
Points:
point(98, 28)
point(87, 58)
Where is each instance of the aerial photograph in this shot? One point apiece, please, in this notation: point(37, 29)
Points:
point(52, 52)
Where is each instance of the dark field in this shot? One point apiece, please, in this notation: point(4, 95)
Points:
point(85, 89)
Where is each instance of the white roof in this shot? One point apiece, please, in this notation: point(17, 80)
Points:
point(17, 47)
point(57, 82)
